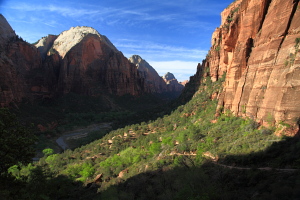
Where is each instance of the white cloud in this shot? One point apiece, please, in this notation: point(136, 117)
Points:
point(182, 70)
point(114, 16)
point(180, 61)
point(151, 51)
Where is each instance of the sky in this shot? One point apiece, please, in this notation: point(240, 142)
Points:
point(171, 35)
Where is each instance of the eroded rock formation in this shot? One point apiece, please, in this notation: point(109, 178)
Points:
point(172, 83)
point(257, 46)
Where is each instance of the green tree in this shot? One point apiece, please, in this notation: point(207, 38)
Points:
point(16, 141)
point(48, 152)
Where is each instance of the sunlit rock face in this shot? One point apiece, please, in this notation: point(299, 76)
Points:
point(257, 46)
point(86, 62)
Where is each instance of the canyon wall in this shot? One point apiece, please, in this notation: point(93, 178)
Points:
point(257, 46)
point(18, 60)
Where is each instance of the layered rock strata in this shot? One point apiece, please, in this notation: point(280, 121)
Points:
point(257, 46)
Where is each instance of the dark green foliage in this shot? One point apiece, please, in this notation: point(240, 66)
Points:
point(297, 41)
point(16, 141)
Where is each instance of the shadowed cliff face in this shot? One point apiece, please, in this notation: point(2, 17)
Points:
point(257, 45)
point(18, 60)
point(172, 83)
point(158, 84)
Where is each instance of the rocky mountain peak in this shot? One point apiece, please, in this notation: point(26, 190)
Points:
point(68, 39)
point(45, 43)
point(6, 32)
point(169, 76)
point(149, 74)
point(141, 64)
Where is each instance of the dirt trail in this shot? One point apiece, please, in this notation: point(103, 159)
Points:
point(260, 168)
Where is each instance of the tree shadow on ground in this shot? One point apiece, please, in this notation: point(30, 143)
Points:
point(212, 181)
point(283, 154)
point(43, 185)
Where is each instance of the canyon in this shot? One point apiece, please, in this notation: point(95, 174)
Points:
point(260, 62)
point(79, 60)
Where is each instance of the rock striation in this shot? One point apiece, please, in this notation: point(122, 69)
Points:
point(257, 46)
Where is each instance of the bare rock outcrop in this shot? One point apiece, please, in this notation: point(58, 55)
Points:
point(257, 46)
point(172, 83)
point(157, 84)
point(70, 38)
point(89, 64)
point(44, 44)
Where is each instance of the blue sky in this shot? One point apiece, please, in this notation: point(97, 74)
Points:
point(172, 35)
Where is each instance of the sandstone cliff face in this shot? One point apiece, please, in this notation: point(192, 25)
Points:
point(257, 45)
point(172, 83)
point(157, 84)
point(19, 62)
point(83, 61)
point(45, 44)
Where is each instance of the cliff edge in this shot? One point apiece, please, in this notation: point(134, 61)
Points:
point(257, 46)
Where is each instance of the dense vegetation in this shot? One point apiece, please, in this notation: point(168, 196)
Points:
point(54, 117)
point(190, 153)
point(16, 141)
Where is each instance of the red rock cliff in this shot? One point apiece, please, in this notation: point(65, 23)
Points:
point(257, 46)
point(89, 64)
point(18, 60)
point(172, 83)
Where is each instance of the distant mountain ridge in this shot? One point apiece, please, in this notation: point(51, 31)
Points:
point(159, 84)
point(172, 83)
point(79, 60)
